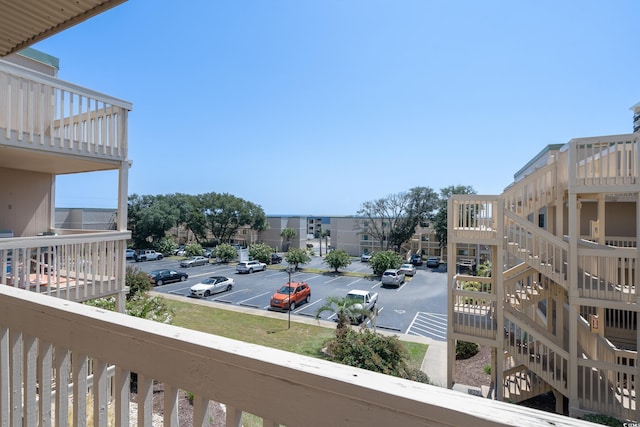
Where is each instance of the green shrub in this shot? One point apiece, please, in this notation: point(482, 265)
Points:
point(466, 349)
point(225, 252)
point(166, 245)
point(193, 249)
point(137, 281)
point(602, 419)
point(336, 259)
point(261, 252)
point(381, 261)
point(375, 352)
point(487, 369)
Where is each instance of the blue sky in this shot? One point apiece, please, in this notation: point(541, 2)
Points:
point(313, 107)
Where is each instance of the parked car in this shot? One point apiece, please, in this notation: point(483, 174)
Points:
point(289, 296)
point(433, 262)
point(131, 253)
point(181, 252)
point(147, 255)
point(194, 261)
point(416, 259)
point(276, 259)
point(207, 252)
point(178, 249)
point(161, 277)
point(211, 285)
point(250, 266)
point(392, 277)
point(408, 269)
point(365, 257)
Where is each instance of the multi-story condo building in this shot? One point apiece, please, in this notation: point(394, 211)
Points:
point(560, 307)
point(62, 362)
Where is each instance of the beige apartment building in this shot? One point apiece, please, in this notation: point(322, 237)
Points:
point(65, 363)
point(560, 308)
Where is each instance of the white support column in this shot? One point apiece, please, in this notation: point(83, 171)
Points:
point(123, 195)
point(498, 261)
point(121, 385)
point(637, 417)
point(451, 271)
point(572, 273)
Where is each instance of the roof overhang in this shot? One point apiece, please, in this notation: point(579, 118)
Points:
point(25, 22)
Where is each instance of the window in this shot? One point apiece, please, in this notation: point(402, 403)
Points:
point(365, 237)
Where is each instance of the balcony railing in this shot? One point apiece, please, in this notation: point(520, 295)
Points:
point(606, 274)
point(474, 308)
point(47, 344)
point(473, 218)
point(596, 164)
point(75, 267)
point(42, 112)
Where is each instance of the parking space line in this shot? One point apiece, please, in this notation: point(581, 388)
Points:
point(355, 281)
point(249, 299)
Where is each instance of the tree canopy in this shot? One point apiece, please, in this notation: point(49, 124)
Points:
point(440, 219)
point(393, 219)
point(217, 215)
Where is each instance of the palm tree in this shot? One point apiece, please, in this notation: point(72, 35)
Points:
point(288, 233)
point(347, 310)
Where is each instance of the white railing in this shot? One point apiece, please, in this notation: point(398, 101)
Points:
point(46, 342)
point(608, 274)
point(533, 192)
point(474, 311)
point(536, 350)
point(42, 112)
point(604, 161)
point(473, 217)
point(536, 247)
point(75, 267)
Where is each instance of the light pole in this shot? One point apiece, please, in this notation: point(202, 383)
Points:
point(289, 287)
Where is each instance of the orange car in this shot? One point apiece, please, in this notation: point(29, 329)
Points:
point(291, 295)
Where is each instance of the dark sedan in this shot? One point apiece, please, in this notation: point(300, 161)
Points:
point(275, 259)
point(160, 277)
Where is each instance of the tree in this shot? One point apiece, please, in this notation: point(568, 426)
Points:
point(324, 234)
point(336, 259)
point(381, 261)
point(345, 309)
point(392, 220)
point(297, 256)
point(224, 214)
point(288, 234)
point(440, 219)
point(149, 218)
point(225, 252)
point(261, 252)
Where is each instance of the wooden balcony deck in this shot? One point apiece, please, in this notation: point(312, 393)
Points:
point(75, 267)
point(44, 338)
point(47, 115)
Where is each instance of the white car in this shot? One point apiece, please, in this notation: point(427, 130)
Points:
point(211, 285)
point(392, 277)
point(250, 266)
point(408, 269)
point(365, 257)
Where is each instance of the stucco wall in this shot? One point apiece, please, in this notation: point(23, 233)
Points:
point(25, 202)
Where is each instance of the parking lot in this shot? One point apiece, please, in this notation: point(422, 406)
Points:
point(418, 307)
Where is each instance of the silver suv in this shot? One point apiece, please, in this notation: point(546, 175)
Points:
point(250, 266)
point(392, 277)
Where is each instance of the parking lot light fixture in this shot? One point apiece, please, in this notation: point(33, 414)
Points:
point(289, 270)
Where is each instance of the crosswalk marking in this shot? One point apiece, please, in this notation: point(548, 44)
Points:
point(431, 325)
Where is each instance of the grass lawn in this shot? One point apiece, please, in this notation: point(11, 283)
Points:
point(302, 338)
